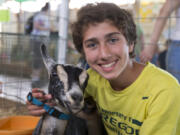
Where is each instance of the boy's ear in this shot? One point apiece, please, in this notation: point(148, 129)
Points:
point(131, 48)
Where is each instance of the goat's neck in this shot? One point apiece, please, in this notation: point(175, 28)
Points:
point(61, 108)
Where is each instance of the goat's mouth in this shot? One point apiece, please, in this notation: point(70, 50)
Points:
point(74, 108)
point(77, 107)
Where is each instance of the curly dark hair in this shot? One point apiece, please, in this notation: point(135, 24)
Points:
point(100, 12)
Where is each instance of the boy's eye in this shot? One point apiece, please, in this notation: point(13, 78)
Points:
point(91, 45)
point(113, 40)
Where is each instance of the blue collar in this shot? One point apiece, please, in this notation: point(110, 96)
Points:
point(50, 110)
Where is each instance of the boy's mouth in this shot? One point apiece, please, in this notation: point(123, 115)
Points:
point(107, 67)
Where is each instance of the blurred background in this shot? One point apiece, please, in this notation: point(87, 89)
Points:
point(16, 50)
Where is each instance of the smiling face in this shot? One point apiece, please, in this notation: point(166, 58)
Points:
point(106, 49)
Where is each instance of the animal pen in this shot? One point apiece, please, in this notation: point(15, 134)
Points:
point(16, 68)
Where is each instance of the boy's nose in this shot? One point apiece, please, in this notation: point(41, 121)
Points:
point(104, 51)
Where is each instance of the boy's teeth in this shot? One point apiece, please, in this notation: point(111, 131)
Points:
point(108, 65)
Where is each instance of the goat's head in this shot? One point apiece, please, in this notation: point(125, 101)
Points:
point(66, 84)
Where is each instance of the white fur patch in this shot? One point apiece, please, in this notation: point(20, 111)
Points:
point(82, 77)
point(63, 76)
point(75, 90)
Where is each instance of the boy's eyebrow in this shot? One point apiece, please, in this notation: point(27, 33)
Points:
point(90, 40)
point(112, 34)
point(106, 36)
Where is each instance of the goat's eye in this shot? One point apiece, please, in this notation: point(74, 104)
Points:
point(58, 84)
point(54, 74)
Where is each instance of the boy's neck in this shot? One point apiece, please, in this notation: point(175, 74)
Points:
point(128, 77)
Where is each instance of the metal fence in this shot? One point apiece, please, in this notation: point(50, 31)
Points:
point(16, 68)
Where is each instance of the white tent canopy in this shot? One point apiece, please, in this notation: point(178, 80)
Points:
point(38, 4)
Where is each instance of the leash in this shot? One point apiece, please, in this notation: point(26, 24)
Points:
point(50, 110)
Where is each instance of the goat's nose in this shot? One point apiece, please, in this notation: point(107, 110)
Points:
point(77, 97)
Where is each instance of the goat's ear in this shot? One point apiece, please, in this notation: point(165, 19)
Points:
point(48, 61)
point(82, 63)
point(83, 78)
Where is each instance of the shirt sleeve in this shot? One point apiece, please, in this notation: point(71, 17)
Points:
point(163, 114)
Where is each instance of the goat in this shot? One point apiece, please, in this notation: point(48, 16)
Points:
point(66, 85)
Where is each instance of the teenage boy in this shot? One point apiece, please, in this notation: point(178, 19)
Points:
point(132, 98)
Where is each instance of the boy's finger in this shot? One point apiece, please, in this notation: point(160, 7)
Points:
point(37, 112)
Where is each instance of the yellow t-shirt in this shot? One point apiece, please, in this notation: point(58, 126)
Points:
point(149, 106)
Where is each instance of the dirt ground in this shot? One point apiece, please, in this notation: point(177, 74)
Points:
point(11, 108)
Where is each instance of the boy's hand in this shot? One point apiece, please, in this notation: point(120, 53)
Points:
point(40, 95)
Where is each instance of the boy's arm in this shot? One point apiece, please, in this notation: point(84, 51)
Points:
point(151, 47)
